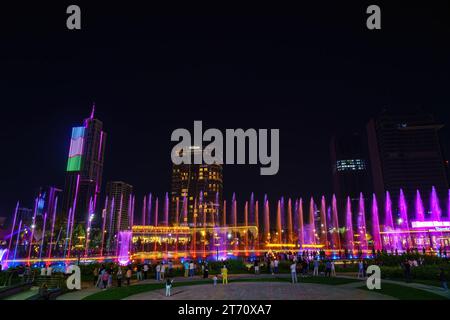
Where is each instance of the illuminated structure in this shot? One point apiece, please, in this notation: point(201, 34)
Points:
point(405, 152)
point(84, 169)
point(188, 181)
point(367, 228)
point(120, 195)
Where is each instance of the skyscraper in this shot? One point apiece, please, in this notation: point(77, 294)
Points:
point(119, 201)
point(84, 168)
point(350, 168)
point(405, 152)
point(189, 180)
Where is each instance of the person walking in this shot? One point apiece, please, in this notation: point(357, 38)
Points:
point(119, 277)
point(224, 272)
point(294, 272)
point(191, 269)
point(169, 283)
point(271, 267)
point(215, 280)
point(158, 272)
point(186, 269)
point(205, 272)
point(316, 267)
point(128, 275)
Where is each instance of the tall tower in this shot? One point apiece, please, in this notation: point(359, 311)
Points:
point(188, 180)
point(405, 152)
point(121, 193)
point(84, 168)
point(349, 160)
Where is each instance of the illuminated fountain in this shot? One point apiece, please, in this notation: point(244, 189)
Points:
point(349, 226)
point(376, 225)
point(290, 236)
point(335, 224)
point(124, 247)
point(266, 221)
point(361, 223)
point(323, 223)
point(434, 206)
point(203, 227)
point(311, 235)
point(420, 211)
point(301, 231)
point(279, 227)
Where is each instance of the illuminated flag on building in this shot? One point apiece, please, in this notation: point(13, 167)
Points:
point(76, 149)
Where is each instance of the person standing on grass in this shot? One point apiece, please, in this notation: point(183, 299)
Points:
point(169, 283)
point(186, 269)
point(105, 278)
point(163, 270)
point(119, 277)
point(271, 266)
point(256, 266)
point(275, 265)
point(95, 273)
point(333, 269)
point(443, 279)
point(294, 272)
point(146, 268)
point(158, 272)
point(360, 269)
point(407, 267)
point(139, 272)
point(328, 268)
point(128, 275)
point(316, 268)
point(224, 272)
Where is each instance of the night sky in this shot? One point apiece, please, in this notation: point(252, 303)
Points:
point(309, 71)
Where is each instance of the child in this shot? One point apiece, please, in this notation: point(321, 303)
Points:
point(215, 280)
point(168, 286)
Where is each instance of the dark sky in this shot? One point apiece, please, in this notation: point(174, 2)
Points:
point(307, 70)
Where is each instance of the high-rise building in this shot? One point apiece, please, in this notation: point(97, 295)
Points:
point(350, 168)
point(189, 180)
point(84, 168)
point(405, 152)
point(119, 200)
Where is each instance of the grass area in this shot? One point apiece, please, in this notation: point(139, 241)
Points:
point(405, 293)
point(126, 291)
point(433, 283)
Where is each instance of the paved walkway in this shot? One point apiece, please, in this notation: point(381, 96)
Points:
point(262, 291)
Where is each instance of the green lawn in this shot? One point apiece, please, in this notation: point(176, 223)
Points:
point(405, 293)
point(126, 291)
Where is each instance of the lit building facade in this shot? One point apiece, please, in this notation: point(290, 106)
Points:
point(84, 169)
point(188, 182)
point(119, 205)
point(405, 153)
